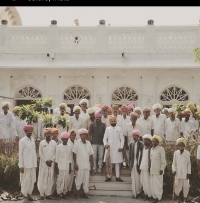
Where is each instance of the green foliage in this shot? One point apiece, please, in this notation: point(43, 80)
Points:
point(47, 121)
point(196, 54)
point(62, 121)
point(42, 105)
point(26, 113)
point(179, 108)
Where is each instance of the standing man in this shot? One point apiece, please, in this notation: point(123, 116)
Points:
point(84, 114)
point(133, 125)
point(96, 133)
point(198, 160)
point(83, 161)
point(145, 167)
point(91, 119)
point(27, 163)
point(130, 109)
point(172, 126)
point(135, 158)
point(166, 112)
point(105, 118)
point(114, 139)
point(138, 110)
point(158, 164)
point(76, 122)
point(47, 153)
point(159, 121)
point(146, 122)
point(115, 110)
point(181, 168)
point(18, 124)
point(6, 123)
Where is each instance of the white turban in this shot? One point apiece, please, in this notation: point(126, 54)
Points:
point(97, 109)
point(147, 136)
point(84, 100)
point(91, 110)
point(3, 104)
point(171, 110)
point(156, 106)
point(165, 109)
point(63, 105)
point(68, 110)
point(137, 109)
point(179, 140)
point(77, 108)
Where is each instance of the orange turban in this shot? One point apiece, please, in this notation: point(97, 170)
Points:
point(186, 112)
point(54, 131)
point(115, 107)
point(47, 130)
point(98, 105)
point(111, 118)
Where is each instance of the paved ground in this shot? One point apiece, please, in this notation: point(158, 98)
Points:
point(95, 199)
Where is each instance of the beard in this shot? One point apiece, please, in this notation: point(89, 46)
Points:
point(113, 124)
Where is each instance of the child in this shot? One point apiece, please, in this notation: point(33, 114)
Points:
point(63, 165)
point(181, 168)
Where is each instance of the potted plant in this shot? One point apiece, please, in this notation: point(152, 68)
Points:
point(196, 54)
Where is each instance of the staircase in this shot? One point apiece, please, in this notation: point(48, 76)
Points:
point(112, 188)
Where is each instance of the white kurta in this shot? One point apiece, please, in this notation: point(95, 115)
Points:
point(38, 130)
point(172, 129)
point(76, 124)
point(196, 123)
point(124, 121)
point(182, 166)
point(28, 161)
point(198, 152)
point(85, 117)
point(187, 128)
point(63, 159)
point(18, 126)
point(159, 125)
point(47, 152)
point(6, 127)
point(113, 136)
point(146, 124)
point(105, 120)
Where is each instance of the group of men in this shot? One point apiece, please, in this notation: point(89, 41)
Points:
point(111, 134)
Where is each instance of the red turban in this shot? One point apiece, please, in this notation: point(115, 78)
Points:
point(28, 127)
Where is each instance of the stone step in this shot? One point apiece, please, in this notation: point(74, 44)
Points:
point(113, 185)
point(125, 171)
point(125, 178)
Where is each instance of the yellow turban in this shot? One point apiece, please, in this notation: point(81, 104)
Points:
point(98, 105)
point(15, 109)
point(157, 137)
point(3, 104)
point(115, 107)
point(55, 131)
point(111, 118)
point(179, 140)
point(63, 105)
point(77, 108)
point(47, 130)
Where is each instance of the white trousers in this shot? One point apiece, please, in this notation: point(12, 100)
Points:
point(71, 179)
point(157, 186)
point(98, 152)
point(82, 177)
point(145, 181)
point(46, 180)
point(117, 170)
point(55, 180)
point(62, 182)
point(27, 179)
point(182, 184)
point(136, 184)
point(127, 155)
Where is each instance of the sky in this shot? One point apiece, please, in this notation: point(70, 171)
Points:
point(115, 16)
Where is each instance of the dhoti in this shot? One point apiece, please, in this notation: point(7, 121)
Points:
point(182, 184)
point(145, 181)
point(62, 182)
point(82, 177)
point(46, 179)
point(71, 179)
point(136, 184)
point(157, 186)
point(27, 179)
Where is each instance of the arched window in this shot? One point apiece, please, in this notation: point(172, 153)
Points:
point(27, 94)
point(174, 94)
point(124, 95)
point(72, 95)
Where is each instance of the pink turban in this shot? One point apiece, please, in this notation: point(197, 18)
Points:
point(130, 106)
point(82, 131)
point(98, 115)
point(28, 127)
point(124, 108)
point(136, 132)
point(110, 108)
point(104, 108)
point(64, 135)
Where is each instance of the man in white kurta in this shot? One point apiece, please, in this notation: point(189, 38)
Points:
point(181, 168)
point(63, 165)
point(61, 112)
point(6, 123)
point(158, 164)
point(91, 119)
point(83, 161)
point(145, 178)
point(198, 160)
point(115, 112)
point(138, 110)
point(27, 163)
point(135, 158)
point(133, 125)
point(114, 139)
point(84, 111)
point(38, 133)
point(146, 122)
point(172, 127)
point(18, 124)
point(130, 109)
point(47, 154)
point(159, 121)
point(76, 122)
point(105, 118)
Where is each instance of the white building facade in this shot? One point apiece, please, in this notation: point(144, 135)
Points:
point(106, 65)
